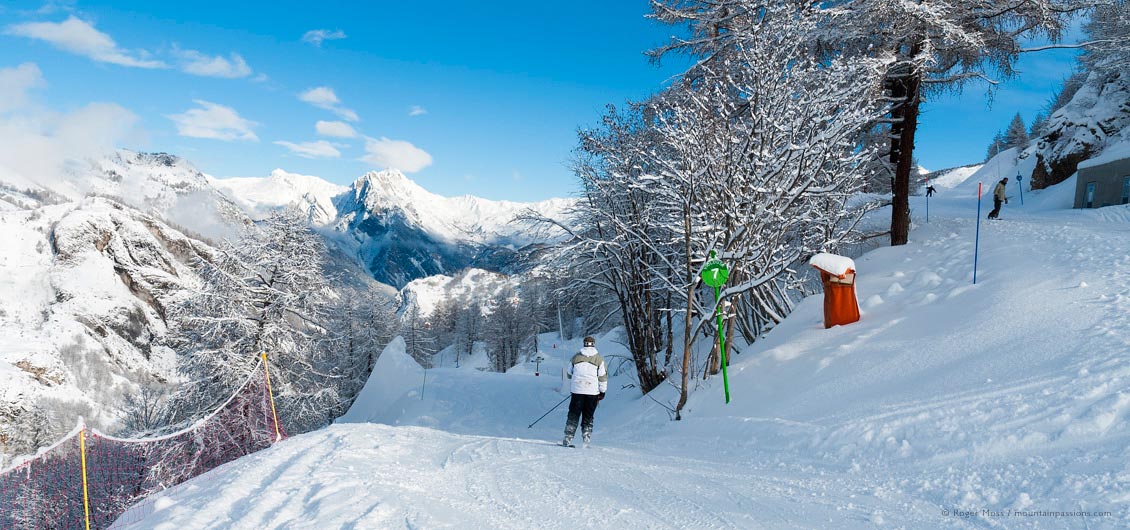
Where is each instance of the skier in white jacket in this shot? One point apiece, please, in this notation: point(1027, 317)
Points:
point(589, 376)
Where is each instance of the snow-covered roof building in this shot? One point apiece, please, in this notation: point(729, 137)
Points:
point(1105, 179)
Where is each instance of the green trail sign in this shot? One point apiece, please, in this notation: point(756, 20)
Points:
point(715, 273)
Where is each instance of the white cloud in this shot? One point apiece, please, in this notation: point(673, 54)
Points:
point(15, 83)
point(81, 38)
point(196, 63)
point(214, 121)
point(417, 110)
point(318, 149)
point(52, 7)
point(324, 97)
point(36, 142)
point(38, 146)
point(317, 36)
point(385, 153)
point(336, 129)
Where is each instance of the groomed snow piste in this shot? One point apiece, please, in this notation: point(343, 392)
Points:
point(1003, 404)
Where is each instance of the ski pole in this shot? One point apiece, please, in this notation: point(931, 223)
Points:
point(547, 412)
point(977, 238)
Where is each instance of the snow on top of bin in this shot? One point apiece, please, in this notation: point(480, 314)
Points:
point(832, 264)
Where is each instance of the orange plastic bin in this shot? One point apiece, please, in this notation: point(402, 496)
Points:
point(837, 273)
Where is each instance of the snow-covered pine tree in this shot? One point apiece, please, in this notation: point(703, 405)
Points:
point(1016, 136)
point(995, 147)
point(1036, 129)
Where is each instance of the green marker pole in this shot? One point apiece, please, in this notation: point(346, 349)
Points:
point(722, 344)
point(714, 274)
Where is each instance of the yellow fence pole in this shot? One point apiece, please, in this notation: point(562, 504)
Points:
point(85, 493)
point(271, 395)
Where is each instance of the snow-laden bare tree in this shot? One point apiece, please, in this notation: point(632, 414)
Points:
point(754, 153)
point(937, 45)
point(469, 326)
point(508, 326)
point(1109, 32)
point(766, 160)
point(262, 294)
point(361, 322)
point(608, 245)
point(419, 338)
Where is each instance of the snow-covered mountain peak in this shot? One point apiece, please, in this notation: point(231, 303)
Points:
point(148, 180)
point(387, 178)
point(381, 190)
point(284, 179)
point(261, 195)
point(465, 217)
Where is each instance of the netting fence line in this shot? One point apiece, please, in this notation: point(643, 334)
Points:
point(88, 480)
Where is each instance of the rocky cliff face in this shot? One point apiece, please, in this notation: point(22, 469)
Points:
point(1097, 117)
point(83, 306)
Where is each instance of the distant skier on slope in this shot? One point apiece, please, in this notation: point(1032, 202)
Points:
point(589, 377)
point(998, 198)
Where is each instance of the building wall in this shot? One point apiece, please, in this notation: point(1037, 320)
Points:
point(1108, 179)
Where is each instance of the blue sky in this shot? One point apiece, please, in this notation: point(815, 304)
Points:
point(468, 97)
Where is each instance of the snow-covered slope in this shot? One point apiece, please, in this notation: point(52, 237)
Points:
point(476, 286)
point(950, 178)
point(949, 405)
point(83, 291)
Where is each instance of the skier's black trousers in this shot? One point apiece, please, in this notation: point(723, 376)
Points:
point(996, 208)
point(582, 406)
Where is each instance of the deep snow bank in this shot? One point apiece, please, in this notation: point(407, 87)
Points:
point(395, 375)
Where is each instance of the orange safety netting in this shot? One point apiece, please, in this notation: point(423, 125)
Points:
point(47, 492)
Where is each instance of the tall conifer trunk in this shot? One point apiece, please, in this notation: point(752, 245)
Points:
point(906, 85)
